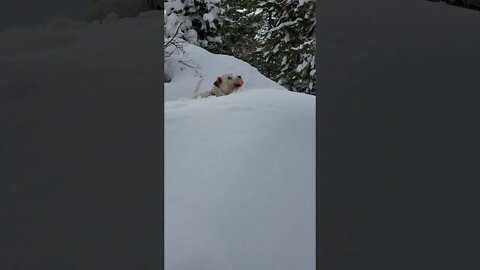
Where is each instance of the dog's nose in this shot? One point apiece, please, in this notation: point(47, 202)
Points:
point(240, 77)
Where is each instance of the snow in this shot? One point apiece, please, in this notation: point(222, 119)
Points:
point(239, 171)
point(284, 24)
point(185, 12)
point(208, 17)
point(208, 66)
point(301, 2)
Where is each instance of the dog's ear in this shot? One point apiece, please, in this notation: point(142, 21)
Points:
point(218, 82)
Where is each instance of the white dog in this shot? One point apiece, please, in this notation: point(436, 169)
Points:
point(224, 85)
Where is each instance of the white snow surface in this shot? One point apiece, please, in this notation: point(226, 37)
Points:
point(239, 171)
point(208, 66)
point(208, 17)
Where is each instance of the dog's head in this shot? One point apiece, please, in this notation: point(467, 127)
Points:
point(228, 83)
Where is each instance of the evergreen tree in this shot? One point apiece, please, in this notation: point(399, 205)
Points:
point(197, 21)
point(287, 45)
point(242, 21)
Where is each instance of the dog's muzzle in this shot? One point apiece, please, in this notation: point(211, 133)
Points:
point(239, 83)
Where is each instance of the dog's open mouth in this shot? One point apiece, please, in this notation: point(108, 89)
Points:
point(238, 83)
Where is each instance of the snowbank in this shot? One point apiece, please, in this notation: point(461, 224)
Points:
point(240, 182)
point(239, 171)
point(208, 66)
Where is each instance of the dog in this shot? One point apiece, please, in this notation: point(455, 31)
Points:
point(224, 85)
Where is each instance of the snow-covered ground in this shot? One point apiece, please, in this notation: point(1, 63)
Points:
point(239, 171)
point(208, 66)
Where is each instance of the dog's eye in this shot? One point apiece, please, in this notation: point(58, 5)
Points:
point(229, 78)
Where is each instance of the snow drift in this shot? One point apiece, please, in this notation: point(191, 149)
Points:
point(239, 170)
point(187, 69)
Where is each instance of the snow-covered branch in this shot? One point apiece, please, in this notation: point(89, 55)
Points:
point(282, 25)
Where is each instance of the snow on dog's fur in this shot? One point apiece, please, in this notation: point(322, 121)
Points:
point(224, 85)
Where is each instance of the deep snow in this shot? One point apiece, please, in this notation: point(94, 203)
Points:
point(208, 66)
point(239, 171)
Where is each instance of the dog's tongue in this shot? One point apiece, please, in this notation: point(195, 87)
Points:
point(240, 82)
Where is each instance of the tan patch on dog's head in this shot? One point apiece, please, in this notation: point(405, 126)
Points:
point(218, 82)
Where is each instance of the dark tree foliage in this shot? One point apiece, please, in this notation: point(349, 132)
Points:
point(275, 36)
point(287, 46)
point(242, 21)
point(201, 16)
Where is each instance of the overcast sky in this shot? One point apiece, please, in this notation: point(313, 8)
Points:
point(31, 12)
